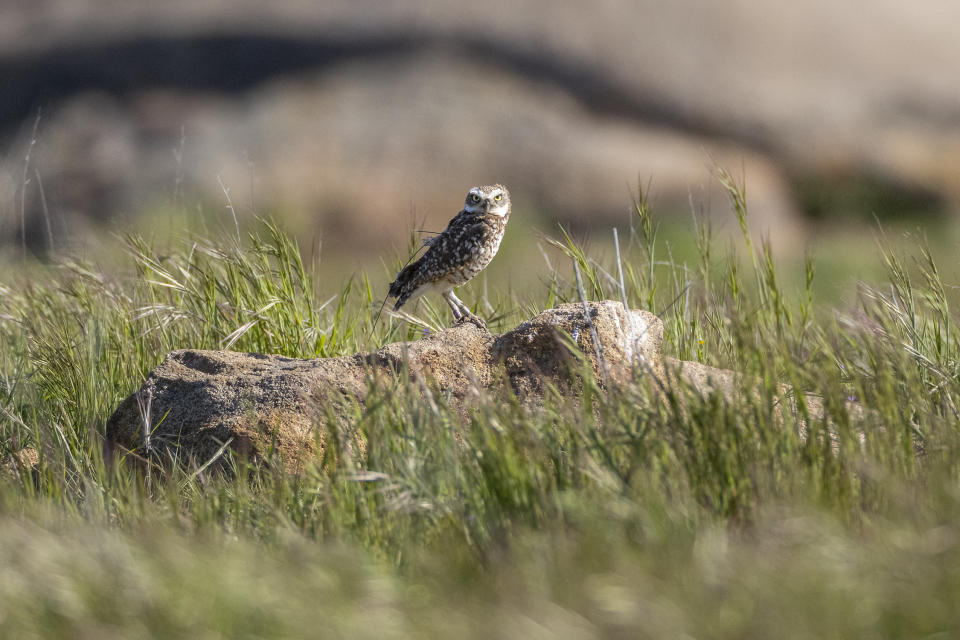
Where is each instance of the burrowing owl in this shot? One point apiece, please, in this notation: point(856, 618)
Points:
point(463, 250)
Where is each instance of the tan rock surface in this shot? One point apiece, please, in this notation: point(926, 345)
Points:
point(20, 465)
point(201, 400)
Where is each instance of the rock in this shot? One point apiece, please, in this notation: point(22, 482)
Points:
point(20, 465)
point(102, 155)
point(198, 402)
point(539, 349)
point(354, 112)
point(703, 380)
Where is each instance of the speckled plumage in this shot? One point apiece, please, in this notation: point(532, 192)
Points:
point(463, 250)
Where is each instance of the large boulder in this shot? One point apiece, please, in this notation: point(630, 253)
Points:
point(195, 403)
point(352, 112)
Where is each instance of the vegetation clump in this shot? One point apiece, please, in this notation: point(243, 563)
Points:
point(704, 515)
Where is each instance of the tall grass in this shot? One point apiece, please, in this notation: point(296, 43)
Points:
point(627, 512)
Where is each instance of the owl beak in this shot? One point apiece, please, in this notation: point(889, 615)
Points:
point(486, 206)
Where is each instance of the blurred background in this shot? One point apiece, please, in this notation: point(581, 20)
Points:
point(354, 122)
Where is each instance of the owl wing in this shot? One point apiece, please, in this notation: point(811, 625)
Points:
point(428, 242)
point(448, 251)
point(440, 259)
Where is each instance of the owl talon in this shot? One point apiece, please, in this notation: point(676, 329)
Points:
point(469, 317)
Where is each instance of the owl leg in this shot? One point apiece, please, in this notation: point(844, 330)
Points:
point(454, 303)
point(460, 311)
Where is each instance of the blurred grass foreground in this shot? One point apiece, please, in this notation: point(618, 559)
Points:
point(599, 516)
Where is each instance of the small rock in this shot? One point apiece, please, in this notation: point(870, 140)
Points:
point(20, 464)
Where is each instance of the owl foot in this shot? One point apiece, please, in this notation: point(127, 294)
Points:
point(469, 317)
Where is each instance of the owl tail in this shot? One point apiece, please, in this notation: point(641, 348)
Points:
point(400, 288)
point(397, 290)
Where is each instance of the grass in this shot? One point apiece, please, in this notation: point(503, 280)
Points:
point(611, 516)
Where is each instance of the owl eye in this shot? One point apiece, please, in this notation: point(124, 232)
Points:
point(475, 198)
point(498, 197)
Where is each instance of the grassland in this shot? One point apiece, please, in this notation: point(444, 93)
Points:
point(609, 516)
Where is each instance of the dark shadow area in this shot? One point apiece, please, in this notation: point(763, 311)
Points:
point(234, 64)
point(862, 196)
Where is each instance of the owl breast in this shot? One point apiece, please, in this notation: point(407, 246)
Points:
point(479, 251)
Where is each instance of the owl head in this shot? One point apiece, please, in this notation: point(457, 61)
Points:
point(489, 200)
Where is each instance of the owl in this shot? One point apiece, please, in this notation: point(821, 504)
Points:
point(463, 250)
